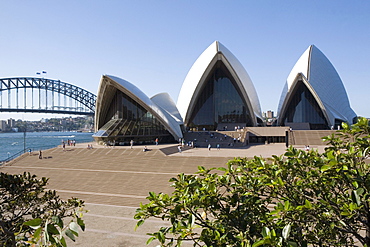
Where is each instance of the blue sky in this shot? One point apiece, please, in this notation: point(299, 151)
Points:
point(153, 44)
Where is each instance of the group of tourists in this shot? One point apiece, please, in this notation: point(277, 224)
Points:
point(69, 143)
point(210, 146)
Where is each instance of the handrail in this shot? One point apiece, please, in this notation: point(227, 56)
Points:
point(13, 156)
point(19, 153)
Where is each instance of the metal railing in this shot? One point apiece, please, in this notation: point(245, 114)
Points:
point(13, 156)
point(19, 153)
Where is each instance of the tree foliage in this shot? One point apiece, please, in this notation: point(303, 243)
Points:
point(297, 199)
point(31, 214)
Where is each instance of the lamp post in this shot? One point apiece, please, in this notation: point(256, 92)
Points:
point(24, 136)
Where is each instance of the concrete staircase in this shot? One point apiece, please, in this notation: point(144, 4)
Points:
point(223, 138)
point(308, 137)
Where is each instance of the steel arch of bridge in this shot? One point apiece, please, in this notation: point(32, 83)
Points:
point(44, 91)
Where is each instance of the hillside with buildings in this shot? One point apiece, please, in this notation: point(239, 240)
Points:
point(83, 124)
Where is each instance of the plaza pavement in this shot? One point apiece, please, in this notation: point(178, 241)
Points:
point(114, 180)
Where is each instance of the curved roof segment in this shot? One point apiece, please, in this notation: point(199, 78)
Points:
point(168, 105)
point(197, 76)
point(322, 80)
point(110, 84)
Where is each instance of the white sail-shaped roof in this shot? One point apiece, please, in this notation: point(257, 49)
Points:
point(323, 81)
point(165, 101)
point(107, 82)
point(198, 73)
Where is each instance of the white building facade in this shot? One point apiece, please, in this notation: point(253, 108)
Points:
point(125, 113)
point(314, 96)
point(218, 93)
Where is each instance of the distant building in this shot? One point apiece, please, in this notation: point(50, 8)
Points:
point(11, 123)
point(3, 125)
point(269, 114)
point(314, 96)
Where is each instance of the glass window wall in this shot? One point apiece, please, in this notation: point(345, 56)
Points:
point(219, 102)
point(126, 120)
point(303, 108)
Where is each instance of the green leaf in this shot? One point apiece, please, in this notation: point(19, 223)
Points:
point(37, 233)
point(360, 191)
point(58, 221)
point(325, 168)
point(52, 229)
point(191, 220)
point(160, 237)
point(73, 226)
point(355, 184)
point(293, 244)
point(63, 242)
point(222, 169)
point(70, 234)
point(353, 206)
point(217, 235)
point(34, 224)
point(138, 224)
point(286, 231)
point(307, 204)
point(356, 198)
point(150, 240)
point(265, 232)
point(81, 223)
point(286, 205)
point(201, 168)
point(259, 243)
point(342, 223)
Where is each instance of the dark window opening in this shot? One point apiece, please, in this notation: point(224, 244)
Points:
point(303, 108)
point(219, 102)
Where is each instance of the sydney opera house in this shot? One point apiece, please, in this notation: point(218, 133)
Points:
point(314, 96)
point(218, 95)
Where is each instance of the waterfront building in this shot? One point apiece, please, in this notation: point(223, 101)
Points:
point(218, 93)
point(314, 96)
point(3, 125)
point(11, 123)
point(125, 113)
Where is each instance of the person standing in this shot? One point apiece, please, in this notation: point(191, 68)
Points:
point(209, 147)
point(156, 141)
point(131, 143)
point(40, 154)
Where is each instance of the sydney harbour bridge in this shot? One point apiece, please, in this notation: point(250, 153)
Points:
point(41, 95)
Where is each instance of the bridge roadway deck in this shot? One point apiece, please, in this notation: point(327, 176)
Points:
point(113, 182)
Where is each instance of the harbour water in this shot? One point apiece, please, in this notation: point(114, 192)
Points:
point(12, 143)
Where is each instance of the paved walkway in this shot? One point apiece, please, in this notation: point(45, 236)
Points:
point(113, 182)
